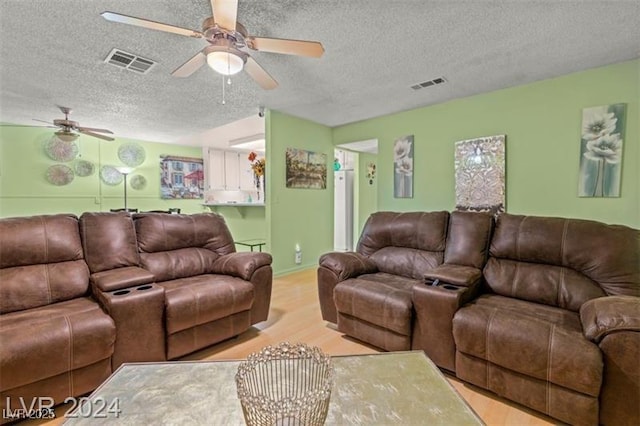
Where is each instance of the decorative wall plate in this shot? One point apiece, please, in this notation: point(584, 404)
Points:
point(59, 175)
point(110, 175)
point(84, 168)
point(131, 154)
point(60, 150)
point(138, 182)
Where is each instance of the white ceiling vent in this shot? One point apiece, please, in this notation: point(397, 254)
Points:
point(428, 83)
point(122, 59)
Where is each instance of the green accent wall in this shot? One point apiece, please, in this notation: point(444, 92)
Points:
point(366, 194)
point(24, 190)
point(297, 216)
point(542, 124)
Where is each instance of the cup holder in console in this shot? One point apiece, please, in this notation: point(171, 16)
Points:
point(450, 287)
point(144, 287)
point(121, 292)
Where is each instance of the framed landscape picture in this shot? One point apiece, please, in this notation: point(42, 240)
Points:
point(306, 169)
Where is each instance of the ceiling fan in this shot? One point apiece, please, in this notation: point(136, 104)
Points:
point(68, 128)
point(228, 41)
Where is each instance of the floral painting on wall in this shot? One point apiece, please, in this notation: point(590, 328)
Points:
point(601, 151)
point(306, 169)
point(403, 167)
point(480, 174)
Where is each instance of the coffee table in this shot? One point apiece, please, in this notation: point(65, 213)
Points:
point(388, 388)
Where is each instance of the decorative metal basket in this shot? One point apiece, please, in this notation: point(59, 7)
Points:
point(287, 384)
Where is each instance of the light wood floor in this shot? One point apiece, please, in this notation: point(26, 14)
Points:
point(295, 317)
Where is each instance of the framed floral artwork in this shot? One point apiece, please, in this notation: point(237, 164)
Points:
point(403, 167)
point(480, 174)
point(601, 151)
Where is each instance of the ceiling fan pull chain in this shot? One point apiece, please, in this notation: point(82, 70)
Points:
point(223, 98)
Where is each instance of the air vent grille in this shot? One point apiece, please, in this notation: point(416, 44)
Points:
point(134, 63)
point(428, 83)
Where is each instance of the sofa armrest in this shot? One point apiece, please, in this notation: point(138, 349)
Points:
point(435, 307)
point(241, 264)
point(605, 315)
point(116, 279)
point(138, 313)
point(454, 274)
point(347, 265)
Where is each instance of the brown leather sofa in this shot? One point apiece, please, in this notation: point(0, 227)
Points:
point(80, 297)
point(550, 319)
point(55, 340)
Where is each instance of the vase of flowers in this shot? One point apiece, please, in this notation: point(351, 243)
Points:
point(258, 166)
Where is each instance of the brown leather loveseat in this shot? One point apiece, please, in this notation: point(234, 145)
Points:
point(80, 297)
point(547, 315)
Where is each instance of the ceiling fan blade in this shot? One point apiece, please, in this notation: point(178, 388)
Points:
point(93, 129)
point(27, 125)
point(191, 66)
point(152, 25)
point(95, 135)
point(225, 13)
point(259, 74)
point(42, 121)
point(312, 49)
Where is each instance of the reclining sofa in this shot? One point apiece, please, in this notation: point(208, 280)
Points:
point(79, 297)
point(542, 311)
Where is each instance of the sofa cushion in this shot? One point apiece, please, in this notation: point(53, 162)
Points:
point(540, 341)
point(416, 230)
point(406, 262)
point(181, 263)
point(584, 253)
point(109, 241)
point(41, 261)
point(157, 232)
point(204, 298)
point(43, 342)
point(468, 238)
point(535, 282)
point(379, 300)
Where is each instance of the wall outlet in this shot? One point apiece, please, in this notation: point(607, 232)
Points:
point(298, 254)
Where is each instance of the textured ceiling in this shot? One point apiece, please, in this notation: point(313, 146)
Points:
point(52, 53)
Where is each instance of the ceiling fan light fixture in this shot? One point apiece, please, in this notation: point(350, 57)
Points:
point(225, 62)
point(66, 136)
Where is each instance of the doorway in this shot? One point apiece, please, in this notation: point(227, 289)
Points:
point(355, 190)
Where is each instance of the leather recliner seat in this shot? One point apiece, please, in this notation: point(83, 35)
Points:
point(524, 338)
point(55, 340)
point(212, 292)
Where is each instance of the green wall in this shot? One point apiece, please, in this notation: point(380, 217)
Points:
point(367, 193)
point(302, 216)
point(542, 123)
point(24, 190)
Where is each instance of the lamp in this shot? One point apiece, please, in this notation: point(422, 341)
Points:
point(66, 135)
point(125, 171)
point(225, 63)
point(224, 58)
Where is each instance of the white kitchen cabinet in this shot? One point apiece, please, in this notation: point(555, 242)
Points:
point(216, 171)
point(247, 178)
point(230, 171)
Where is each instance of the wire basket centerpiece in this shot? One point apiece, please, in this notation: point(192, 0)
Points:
point(288, 384)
